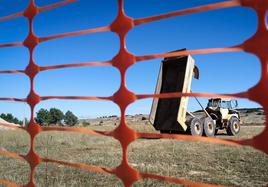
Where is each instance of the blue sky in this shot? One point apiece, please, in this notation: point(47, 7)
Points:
point(219, 73)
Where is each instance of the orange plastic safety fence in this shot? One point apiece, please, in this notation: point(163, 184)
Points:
point(257, 45)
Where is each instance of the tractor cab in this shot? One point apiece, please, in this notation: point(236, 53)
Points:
point(225, 115)
point(219, 103)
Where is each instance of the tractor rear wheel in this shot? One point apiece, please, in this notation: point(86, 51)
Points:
point(233, 127)
point(209, 127)
point(196, 127)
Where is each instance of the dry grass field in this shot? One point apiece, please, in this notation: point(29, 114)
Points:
point(197, 161)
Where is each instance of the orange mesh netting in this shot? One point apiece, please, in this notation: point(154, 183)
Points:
point(257, 45)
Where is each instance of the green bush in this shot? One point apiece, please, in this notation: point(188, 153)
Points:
point(11, 119)
point(85, 124)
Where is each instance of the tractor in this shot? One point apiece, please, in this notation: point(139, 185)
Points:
point(224, 115)
point(219, 114)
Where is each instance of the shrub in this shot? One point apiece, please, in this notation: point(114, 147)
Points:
point(260, 113)
point(143, 118)
point(85, 123)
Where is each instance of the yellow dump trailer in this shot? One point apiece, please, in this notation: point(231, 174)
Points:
point(169, 115)
point(175, 75)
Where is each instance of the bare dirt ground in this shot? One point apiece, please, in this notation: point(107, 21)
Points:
point(197, 161)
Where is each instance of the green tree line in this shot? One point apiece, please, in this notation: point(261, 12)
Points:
point(11, 119)
point(55, 116)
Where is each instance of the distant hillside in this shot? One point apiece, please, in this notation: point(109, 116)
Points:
point(249, 116)
point(5, 122)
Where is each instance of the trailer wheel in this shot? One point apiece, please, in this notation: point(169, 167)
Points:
point(209, 127)
point(196, 127)
point(233, 127)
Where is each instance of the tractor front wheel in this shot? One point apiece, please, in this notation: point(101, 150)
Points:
point(233, 127)
point(196, 127)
